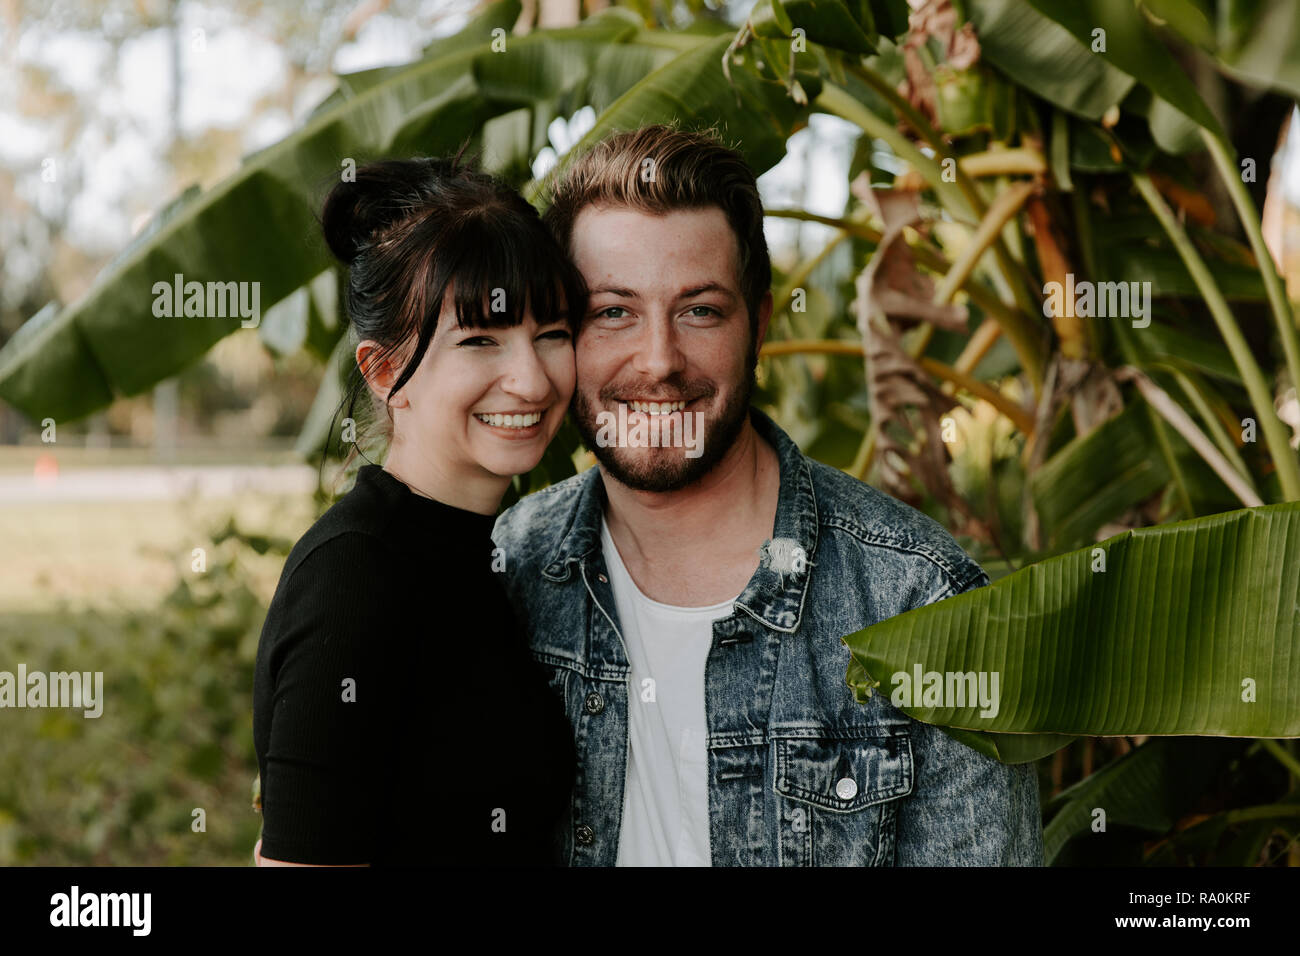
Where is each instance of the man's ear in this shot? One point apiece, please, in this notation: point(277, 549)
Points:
point(380, 371)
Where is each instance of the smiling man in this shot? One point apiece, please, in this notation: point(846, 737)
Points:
point(689, 608)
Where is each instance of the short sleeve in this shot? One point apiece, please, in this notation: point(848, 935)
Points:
point(325, 679)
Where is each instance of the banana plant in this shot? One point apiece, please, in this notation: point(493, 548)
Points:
point(1006, 148)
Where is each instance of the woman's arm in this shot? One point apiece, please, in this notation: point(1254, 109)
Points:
point(324, 690)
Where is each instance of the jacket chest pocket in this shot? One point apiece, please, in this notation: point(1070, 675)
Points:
point(837, 797)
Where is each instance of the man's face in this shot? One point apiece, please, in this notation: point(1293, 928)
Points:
point(666, 323)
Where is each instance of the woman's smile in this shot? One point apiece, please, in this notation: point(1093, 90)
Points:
point(514, 426)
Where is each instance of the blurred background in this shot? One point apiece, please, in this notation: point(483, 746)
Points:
point(144, 539)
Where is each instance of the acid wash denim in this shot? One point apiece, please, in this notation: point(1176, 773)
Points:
point(785, 732)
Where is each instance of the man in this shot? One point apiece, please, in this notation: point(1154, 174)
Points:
point(688, 595)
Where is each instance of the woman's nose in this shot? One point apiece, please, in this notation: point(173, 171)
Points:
point(526, 376)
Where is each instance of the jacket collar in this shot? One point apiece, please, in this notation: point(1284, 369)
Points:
point(775, 594)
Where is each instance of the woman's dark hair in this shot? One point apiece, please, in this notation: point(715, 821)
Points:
point(408, 228)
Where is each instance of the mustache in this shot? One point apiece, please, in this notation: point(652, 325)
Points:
point(666, 391)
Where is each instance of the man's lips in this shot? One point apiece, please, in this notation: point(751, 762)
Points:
point(673, 404)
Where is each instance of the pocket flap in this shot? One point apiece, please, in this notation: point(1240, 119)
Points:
point(844, 773)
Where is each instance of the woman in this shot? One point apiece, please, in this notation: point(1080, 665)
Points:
point(398, 717)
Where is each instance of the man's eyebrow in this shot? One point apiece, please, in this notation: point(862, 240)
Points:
point(707, 287)
point(684, 294)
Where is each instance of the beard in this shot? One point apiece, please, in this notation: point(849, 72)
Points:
point(668, 468)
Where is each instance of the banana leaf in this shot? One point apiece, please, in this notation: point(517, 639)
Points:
point(1185, 628)
point(258, 226)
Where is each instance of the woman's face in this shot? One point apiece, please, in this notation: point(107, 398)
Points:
point(485, 400)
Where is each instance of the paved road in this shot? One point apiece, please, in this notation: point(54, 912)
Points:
point(155, 483)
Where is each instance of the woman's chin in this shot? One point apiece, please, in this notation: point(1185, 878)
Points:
point(507, 466)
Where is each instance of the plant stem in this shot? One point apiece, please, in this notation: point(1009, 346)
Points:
point(939, 370)
point(925, 254)
point(1277, 297)
point(1159, 400)
point(1282, 757)
point(1022, 161)
point(1003, 209)
point(835, 100)
point(1284, 457)
point(1013, 273)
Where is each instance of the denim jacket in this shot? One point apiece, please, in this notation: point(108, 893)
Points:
point(799, 773)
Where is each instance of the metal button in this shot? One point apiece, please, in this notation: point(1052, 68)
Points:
point(595, 703)
point(602, 579)
point(846, 789)
point(584, 834)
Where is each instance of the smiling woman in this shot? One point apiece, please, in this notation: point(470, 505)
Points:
point(389, 625)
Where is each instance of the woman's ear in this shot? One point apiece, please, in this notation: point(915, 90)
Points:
point(380, 371)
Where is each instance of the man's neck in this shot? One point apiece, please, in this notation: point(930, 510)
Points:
point(692, 544)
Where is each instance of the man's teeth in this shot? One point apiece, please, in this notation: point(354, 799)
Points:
point(657, 408)
point(511, 421)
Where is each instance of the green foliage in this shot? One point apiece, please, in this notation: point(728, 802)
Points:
point(175, 733)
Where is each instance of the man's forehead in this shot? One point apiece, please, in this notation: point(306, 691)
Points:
point(696, 245)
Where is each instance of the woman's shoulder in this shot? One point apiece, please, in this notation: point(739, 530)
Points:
point(351, 544)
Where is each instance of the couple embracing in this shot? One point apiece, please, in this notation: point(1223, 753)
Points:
point(642, 664)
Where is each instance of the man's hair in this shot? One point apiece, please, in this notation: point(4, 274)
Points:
point(658, 169)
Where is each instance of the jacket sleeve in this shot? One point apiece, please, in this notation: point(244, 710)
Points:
point(967, 809)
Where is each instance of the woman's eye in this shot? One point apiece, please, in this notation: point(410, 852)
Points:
point(476, 340)
point(561, 335)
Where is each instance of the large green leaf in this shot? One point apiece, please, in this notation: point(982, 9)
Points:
point(754, 114)
point(1187, 628)
point(1254, 41)
point(1047, 46)
point(1145, 791)
point(828, 22)
point(1046, 58)
point(1096, 478)
point(1133, 47)
point(259, 226)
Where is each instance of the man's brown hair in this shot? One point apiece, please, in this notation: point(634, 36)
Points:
point(657, 169)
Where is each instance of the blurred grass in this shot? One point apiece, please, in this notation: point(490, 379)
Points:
point(176, 647)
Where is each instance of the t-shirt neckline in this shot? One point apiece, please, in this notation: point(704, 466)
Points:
point(615, 558)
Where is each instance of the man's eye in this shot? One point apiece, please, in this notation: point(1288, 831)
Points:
point(607, 313)
point(703, 311)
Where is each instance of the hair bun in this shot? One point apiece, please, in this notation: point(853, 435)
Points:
point(382, 194)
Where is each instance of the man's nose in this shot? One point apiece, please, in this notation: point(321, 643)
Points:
point(659, 353)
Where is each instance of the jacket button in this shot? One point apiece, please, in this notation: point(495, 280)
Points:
point(846, 789)
point(584, 834)
point(595, 703)
point(602, 579)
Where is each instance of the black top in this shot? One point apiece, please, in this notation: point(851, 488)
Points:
point(397, 715)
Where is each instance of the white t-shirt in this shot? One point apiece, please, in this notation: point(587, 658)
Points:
point(666, 799)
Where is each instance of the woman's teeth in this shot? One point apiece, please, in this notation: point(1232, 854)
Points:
point(657, 408)
point(511, 421)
